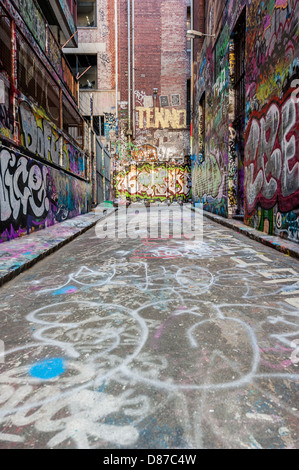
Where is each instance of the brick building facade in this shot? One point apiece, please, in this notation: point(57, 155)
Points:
point(133, 64)
point(245, 159)
point(154, 75)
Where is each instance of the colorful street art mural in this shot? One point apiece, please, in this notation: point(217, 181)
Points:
point(34, 196)
point(272, 111)
point(44, 164)
point(249, 167)
point(153, 182)
point(40, 137)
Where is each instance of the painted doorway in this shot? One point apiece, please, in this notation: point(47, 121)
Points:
point(237, 117)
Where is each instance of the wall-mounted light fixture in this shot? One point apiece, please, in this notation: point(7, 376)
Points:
point(155, 92)
point(192, 34)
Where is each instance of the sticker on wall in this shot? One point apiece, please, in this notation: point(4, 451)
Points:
point(148, 101)
point(164, 101)
point(175, 100)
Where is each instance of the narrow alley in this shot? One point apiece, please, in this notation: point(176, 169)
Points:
point(152, 344)
point(149, 227)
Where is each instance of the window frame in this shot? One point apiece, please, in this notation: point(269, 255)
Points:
point(95, 15)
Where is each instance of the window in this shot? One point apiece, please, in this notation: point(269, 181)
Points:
point(98, 124)
point(72, 121)
point(86, 13)
point(237, 105)
point(85, 68)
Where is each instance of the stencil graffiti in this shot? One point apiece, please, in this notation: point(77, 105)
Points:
point(208, 183)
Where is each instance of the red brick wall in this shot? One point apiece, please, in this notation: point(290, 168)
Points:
point(161, 61)
point(147, 46)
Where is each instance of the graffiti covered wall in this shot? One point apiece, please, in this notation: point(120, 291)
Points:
point(251, 170)
point(34, 196)
point(272, 132)
point(45, 182)
point(44, 159)
point(210, 159)
point(153, 182)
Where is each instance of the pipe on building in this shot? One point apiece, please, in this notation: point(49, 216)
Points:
point(133, 67)
point(192, 78)
point(129, 68)
point(116, 60)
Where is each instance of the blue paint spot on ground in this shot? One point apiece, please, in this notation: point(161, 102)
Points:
point(65, 290)
point(102, 388)
point(47, 369)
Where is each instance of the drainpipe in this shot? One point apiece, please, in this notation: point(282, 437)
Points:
point(14, 76)
point(116, 61)
point(133, 67)
point(192, 78)
point(116, 94)
point(129, 70)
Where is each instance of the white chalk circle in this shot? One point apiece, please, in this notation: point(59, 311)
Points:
point(193, 277)
point(107, 336)
point(246, 367)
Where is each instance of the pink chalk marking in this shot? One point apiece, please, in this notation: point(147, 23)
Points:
point(159, 332)
point(282, 365)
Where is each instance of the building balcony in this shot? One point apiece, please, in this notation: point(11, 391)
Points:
point(62, 17)
point(31, 23)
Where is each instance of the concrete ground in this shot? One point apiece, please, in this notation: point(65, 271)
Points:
point(152, 343)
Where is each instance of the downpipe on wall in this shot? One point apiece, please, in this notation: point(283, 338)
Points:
point(129, 71)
